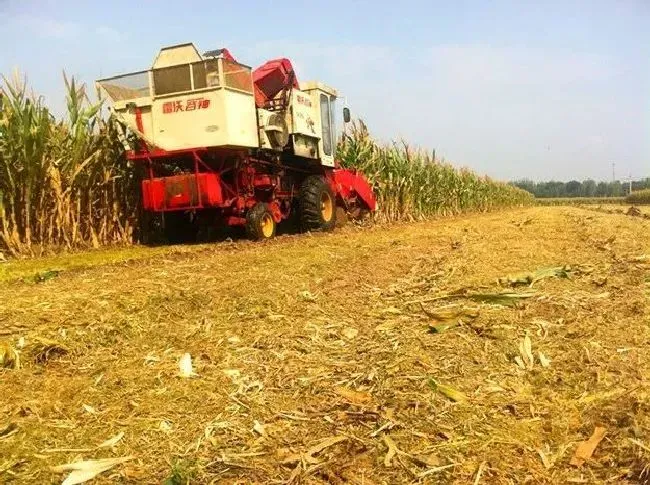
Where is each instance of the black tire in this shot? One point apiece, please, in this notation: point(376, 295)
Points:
point(317, 205)
point(260, 224)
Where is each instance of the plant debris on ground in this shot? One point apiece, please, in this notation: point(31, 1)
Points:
point(314, 359)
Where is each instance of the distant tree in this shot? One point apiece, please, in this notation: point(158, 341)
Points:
point(525, 184)
point(602, 189)
point(589, 188)
point(574, 188)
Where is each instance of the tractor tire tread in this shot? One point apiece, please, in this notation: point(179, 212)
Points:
point(253, 219)
point(311, 218)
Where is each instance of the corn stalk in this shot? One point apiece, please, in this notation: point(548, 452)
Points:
point(415, 185)
point(58, 177)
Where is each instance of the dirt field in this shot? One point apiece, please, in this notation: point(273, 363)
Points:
point(316, 360)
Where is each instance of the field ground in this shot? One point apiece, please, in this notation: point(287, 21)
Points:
point(315, 361)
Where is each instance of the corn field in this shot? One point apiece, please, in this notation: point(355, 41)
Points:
point(66, 184)
point(414, 185)
point(639, 197)
point(63, 183)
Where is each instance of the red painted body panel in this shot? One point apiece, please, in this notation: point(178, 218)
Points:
point(348, 184)
point(271, 78)
point(153, 194)
point(180, 192)
point(237, 186)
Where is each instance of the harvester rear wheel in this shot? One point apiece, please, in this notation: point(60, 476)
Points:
point(317, 205)
point(260, 224)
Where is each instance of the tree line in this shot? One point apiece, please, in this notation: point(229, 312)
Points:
point(586, 188)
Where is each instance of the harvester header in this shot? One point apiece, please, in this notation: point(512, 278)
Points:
point(225, 144)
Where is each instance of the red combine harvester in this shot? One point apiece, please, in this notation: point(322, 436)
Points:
point(224, 145)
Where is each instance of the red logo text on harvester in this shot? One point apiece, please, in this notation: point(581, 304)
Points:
point(303, 100)
point(188, 105)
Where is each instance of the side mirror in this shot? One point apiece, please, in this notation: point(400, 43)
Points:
point(346, 115)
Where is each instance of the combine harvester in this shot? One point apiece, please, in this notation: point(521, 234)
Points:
point(227, 146)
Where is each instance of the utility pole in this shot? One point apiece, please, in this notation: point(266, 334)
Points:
point(613, 171)
point(630, 185)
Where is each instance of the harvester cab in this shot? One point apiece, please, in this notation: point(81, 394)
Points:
point(239, 139)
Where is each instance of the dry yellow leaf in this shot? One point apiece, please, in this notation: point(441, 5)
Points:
point(587, 448)
point(352, 396)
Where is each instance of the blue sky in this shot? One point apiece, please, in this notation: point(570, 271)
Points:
point(512, 89)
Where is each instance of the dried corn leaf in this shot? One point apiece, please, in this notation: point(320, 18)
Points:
point(89, 409)
point(354, 397)
point(529, 279)
point(259, 428)
point(447, 391)
point(447, 318)
point(526, 352)
point(308, 456)
point(430, 460)
point(308, 296)
point(10, 429)
point(9, 358)
point(520, 362)
point(544, 361)
point(165, 426)
point(548, 464)
point(504, 299)
point(185, 368)
point(586, 449)
point(350, 333)
point(392, 451)
point(112, 442)
point(83, 471)
point(326, 443)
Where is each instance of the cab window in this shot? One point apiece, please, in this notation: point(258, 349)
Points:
point(326, 123)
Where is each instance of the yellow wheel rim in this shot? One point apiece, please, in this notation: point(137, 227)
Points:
point(326, 207)
point(267, 224)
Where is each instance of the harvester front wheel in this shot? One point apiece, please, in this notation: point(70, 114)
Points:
point(317, 205)
point(260, 224)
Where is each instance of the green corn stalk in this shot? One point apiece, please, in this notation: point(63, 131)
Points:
point(63, 182)
point(639, 197)
point(414, 185)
